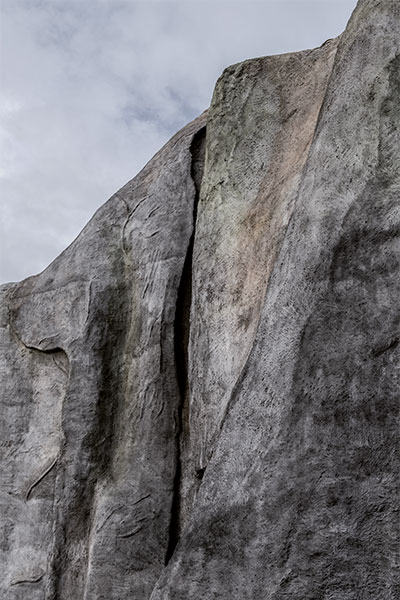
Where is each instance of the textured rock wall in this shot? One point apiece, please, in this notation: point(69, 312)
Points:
point(91, 398)
point(199, 397)
point(259, 130)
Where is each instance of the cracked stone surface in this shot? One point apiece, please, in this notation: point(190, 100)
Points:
point(199, 397)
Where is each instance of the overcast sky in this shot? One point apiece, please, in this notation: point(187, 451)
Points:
point(91, 89)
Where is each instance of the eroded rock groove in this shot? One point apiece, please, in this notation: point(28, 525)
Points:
point(181, 339)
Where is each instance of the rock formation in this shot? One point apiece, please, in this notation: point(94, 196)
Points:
point(199, 397)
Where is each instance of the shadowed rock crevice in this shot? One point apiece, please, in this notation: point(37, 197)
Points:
point(181, 341)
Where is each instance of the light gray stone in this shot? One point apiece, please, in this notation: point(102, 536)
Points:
point(199, 397)
point(301, 496)
point(259, 130)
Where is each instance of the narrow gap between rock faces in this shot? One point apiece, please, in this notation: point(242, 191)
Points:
point(181, 338)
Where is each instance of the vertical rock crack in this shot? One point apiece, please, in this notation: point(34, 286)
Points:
point(181, 340)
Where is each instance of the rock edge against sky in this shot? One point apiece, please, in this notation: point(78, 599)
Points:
point(200, 395)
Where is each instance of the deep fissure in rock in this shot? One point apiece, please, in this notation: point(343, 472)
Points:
point(181, 338)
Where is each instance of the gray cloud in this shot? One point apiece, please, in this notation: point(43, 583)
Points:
point(91, 89)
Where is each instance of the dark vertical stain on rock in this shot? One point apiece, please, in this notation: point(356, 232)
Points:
point(89, 459)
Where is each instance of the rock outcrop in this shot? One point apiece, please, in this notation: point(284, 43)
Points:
point(199, 397)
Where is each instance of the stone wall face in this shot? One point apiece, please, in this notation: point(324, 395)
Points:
point(199, 397)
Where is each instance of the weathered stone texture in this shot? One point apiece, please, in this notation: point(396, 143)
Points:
point(90, 397)
point(200, 396)
point(259, 130)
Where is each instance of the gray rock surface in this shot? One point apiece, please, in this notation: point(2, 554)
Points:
point(199, 397)
point(90, 396)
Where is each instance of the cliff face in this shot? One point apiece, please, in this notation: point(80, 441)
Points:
point(199, 397)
